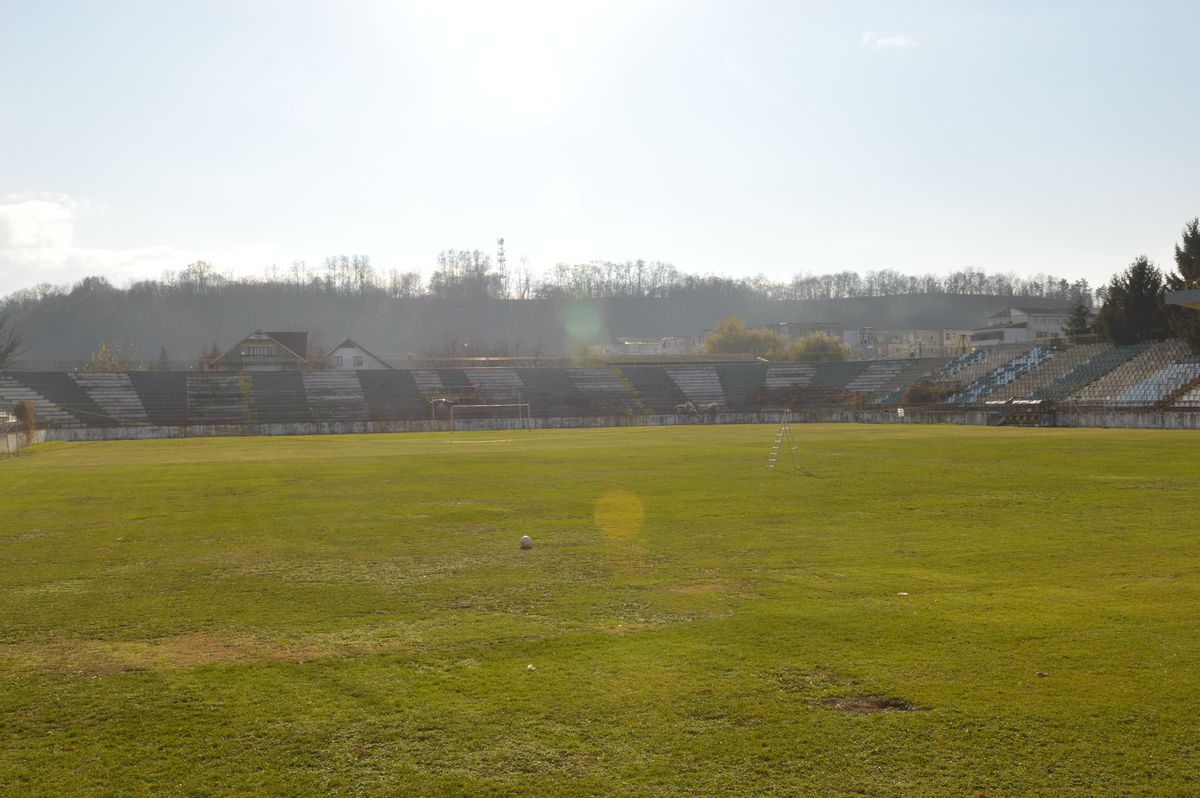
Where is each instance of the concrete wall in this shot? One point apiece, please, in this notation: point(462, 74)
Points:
point(11, 442)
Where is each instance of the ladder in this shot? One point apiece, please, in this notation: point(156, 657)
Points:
point(784, 438)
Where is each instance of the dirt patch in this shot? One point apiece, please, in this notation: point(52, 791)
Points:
point(869, 704)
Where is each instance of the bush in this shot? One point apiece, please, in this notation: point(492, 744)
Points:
point(26, 413)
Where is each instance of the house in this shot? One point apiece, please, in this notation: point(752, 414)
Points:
point(350, 356)
point(1013, 325)
point(265, 351)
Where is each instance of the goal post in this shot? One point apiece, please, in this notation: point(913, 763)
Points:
point(522, 412)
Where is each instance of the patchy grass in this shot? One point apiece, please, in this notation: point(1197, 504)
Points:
point(353, 615)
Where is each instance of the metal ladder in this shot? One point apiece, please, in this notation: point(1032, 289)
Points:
point(784, 437)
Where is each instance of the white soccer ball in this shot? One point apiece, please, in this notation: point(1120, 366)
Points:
point(526, 542)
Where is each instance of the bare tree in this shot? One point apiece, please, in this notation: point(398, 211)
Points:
point(10, 342)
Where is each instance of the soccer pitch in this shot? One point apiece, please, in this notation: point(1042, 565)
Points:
point(925, 611)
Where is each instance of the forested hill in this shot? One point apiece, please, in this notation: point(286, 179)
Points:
point(68, 325)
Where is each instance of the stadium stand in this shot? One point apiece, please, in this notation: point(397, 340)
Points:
point(164, 395)
point(1160, 385)
point(44, 390)
point(838, 375)
point(278, 397)
point(1090, 370)
point(789, 376)
point(740, 382)
point(393, 395)
point(876, 376)
point(607, 387)
point(700, 384)
point(1063, 361)
point(1125, 376)
point(219, 398)
point(655, 389)
point(972, 367)
point(335, 396)
point(552, 392)
point(1006, 372)
point(497, 385)
point(1189, 399)
point(115, 395)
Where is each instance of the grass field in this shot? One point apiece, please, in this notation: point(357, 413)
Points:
point(929, 611)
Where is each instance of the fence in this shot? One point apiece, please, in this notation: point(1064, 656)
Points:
point(11, 442)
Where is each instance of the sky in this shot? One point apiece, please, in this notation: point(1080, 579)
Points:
point(738, 138)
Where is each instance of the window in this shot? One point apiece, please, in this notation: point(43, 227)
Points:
point(337, 361)
point(259, 351)
point(358, 361)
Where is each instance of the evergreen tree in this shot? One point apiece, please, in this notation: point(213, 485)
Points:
point(163, 363)
point(1079, 323)
point(1134, 309)
point(1185, 322)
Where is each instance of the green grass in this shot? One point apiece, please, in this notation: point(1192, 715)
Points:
point(353, 616)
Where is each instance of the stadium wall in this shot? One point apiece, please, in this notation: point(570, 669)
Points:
point(12, 442)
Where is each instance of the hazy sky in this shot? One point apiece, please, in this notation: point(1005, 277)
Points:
point(734, 137)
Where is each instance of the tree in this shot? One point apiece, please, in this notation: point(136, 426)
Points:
point(1079, 323)
point(1185, 322)
point(1133, 308)
point(731, 337)
point(163, 363)
point(108, 357)
point(817, 348)
point(10, 342)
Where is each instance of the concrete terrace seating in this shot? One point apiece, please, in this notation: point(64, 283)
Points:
point(982, 387)
point(115, 395)
point(164, 395)
point(700, 384)
point(741, 382)
point(217, 398)
point(552, 392)
point(1063, 361)
point(876, 376)
point(497, 385)
point(278, 397)
point(837, 375)
point(393, 395)
point(335, 396)
point(986, 360)
point(1090, 370)
point(655, 389)
point(1159, 385)
point(605, 387)
point(1137, 368)
point(17, 388)
point(789, 376)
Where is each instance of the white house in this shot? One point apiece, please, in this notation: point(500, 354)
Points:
point(350, 356)
point(1013, 325)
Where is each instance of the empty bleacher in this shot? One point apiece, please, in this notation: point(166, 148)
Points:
point(1189, 399)
point(219, 398)
point(1160, 385)
point(788, 376)
point(115, 395)
point(164, 395)
point(741, 382)
point(552, 392)
point(496, 385)
point(1008, 371)
point(1108, 387)
point(335, 396)
point(607, 387)
point(39, 388)
point(838, 375)
point(700, 384)
point(278, 397)
point(876, 376)
point(393, 395)
point(655, 389)
point(1063, 361)
point(1088, 371)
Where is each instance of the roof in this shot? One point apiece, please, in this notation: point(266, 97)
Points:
point(350, 343)
point(296, 342)
point(285, 339)
point(1052, 311)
